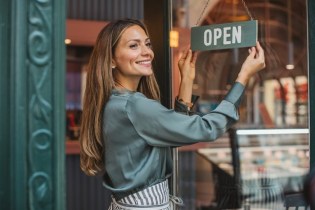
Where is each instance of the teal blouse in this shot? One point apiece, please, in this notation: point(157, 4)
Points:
point(139, 132)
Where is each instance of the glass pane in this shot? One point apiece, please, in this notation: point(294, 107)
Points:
point(77, 59)
point(260, 163)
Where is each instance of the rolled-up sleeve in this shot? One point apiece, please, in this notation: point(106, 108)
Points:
point(234, 96)
point(160, 126)
point(183, 108)
point(236, 93)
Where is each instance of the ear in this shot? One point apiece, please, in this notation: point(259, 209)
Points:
point(113, 64)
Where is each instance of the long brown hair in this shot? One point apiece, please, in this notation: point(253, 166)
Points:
point(99, 85)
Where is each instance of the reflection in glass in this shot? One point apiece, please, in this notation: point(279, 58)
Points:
point(271, 141)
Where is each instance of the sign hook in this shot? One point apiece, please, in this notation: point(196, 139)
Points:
point(203, 11)
point(247, 10)
point(206, 5)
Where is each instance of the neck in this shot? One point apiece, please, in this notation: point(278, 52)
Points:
point(118, 84)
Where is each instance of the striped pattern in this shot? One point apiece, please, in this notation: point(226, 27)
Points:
point(156, 196)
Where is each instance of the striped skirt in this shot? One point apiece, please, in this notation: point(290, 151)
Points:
point(155, 197)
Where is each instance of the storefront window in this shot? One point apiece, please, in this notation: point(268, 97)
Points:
point(77, 59)
point(260, 163)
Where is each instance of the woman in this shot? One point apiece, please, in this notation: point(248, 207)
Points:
point(126, 134)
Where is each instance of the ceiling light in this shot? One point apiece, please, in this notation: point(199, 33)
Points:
point(174, 38)
point(290, 66)
point(67, 41)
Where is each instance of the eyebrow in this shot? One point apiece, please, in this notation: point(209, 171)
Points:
point(138, 40)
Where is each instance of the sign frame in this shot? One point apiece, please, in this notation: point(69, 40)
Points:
point(224, 36)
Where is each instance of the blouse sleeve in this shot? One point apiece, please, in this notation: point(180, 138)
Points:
point(160, 126)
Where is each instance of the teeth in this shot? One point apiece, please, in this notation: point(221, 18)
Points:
point(144, 62)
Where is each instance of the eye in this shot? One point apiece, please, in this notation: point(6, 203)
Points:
point(134, 46)
point(149, 45)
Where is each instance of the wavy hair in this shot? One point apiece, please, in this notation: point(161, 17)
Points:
point(99, 84)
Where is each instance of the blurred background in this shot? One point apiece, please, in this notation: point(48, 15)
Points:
point(260, 163)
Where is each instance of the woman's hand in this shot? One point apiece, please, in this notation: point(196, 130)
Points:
point(186, 65)
point(254, 62)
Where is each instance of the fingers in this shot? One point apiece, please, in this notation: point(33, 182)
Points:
point(252, 52)
point(191, 57)
point(185, 53)
point(257, 52)
point(258, 46)
point(260, 50)
point(186, 56)
point(194, 57)
point(260, 54)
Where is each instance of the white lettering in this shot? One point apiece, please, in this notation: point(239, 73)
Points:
point(217, 35)
point(237, 34)
point(207, 37)
point(226, 35)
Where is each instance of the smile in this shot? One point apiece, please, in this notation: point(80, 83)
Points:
point(147, 62)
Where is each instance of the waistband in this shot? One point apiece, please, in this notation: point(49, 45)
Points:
point(155, 197)
point(157, 194)
point(120, 206)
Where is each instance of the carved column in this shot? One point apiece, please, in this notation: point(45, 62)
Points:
point(37, 105)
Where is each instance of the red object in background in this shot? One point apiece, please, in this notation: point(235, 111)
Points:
point(302, 92)
point(71, 120)
point(278, 93)
point(261, 169)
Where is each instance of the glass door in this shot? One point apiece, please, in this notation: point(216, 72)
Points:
point(260, 163)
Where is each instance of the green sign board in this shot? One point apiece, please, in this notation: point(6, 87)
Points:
point(224, 36)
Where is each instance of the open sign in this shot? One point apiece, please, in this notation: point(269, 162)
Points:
point(224, 36)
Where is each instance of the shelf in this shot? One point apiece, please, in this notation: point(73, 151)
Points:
point(209, 151)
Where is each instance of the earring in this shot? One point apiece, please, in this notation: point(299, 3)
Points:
point(113, 67)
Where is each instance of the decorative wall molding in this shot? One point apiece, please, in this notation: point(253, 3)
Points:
point(38, 110)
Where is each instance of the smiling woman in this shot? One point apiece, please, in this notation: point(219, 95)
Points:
point(132, 58)
point(126, 134)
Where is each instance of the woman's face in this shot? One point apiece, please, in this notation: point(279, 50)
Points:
point(133, 54)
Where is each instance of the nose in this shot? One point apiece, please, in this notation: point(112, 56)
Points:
point(146, 50)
